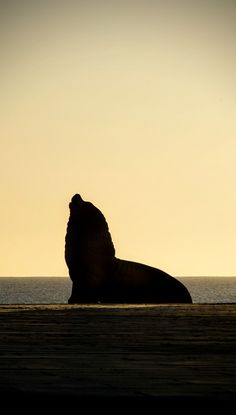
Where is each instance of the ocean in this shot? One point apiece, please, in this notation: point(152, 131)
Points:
point(56, 290)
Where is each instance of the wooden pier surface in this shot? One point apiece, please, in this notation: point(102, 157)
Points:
point(159, 352)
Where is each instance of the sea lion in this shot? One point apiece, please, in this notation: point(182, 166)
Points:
point(99, 277)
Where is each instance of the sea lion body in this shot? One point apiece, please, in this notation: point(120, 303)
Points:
point(98, 276)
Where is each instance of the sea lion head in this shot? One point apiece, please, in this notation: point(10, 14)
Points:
point(76, 202)
point(76, 199)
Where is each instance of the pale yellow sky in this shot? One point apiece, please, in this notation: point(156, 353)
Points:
point(132, 104)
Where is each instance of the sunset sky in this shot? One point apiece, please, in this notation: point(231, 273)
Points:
point(132, 104)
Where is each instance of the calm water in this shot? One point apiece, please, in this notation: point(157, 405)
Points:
point(54, 290)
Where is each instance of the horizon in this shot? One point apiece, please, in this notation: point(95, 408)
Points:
point(133, 108)
point(67, 276)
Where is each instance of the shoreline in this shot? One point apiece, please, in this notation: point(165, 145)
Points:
point(171, 353)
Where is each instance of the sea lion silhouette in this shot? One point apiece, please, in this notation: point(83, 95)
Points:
point(98, 276)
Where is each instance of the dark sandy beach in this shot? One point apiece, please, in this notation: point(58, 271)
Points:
point(172, 354)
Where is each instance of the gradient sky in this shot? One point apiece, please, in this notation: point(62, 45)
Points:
point(132, 104)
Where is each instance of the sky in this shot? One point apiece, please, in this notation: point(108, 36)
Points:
point(132, 104)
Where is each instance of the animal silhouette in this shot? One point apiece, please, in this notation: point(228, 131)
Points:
point(98, 276)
